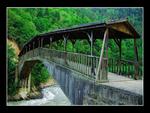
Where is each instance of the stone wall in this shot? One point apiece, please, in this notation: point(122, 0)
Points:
point(81, 90)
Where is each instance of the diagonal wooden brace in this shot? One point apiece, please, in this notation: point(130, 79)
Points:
point(101, 55)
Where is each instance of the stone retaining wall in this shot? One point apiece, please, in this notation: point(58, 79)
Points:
point(80, 90)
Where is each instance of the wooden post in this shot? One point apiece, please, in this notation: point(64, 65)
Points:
point(65, 47)
point(33, 48)
point(73, 46)
point(113, 65)
point(90, 36)
point(91, 39)
point(26, 49)
point(136, 65)
point(106, 56)
point(101, 55)
point(33, 44)
point(106, 48)
point(120, 49)
point(29, 47)
point(39, 50)
point(118, 42)
point(39, 42)
point(119, 56)
point(42, 42)
point(50, 43)
point(65, 43)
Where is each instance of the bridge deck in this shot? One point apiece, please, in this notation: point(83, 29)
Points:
point(113, 77)
point(125, 83)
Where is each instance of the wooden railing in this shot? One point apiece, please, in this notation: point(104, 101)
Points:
point(85, 64)
point(124, 67)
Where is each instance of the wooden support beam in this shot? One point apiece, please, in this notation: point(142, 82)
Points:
point(101, 55)
point(135, 50)
point(65, 41)
point(33, 44)
point(90, 36)
point(117, 41)
point(50, 42)
point(26, 49)
point(120, 48)
point(73, 48)
point(106, 48)
point(136, 64)
point(41, 42)
point(33, 48)
point(119, 56)
point(29, 47)
point(73, 43)
point(65, 47)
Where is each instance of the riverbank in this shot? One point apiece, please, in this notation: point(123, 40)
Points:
point(52, 96)
point(49, 83)
point(35, 93)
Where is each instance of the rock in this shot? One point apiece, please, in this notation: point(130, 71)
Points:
point(17, 97)
point(35, 95)
point(50, 82)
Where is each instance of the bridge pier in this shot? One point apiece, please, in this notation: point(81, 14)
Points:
point(26, 83)
point(23, 77)
point(23, 89)
point(16, 74)
point(29, 82)
point(24, 86)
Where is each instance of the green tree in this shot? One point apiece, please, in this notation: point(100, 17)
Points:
point(11, 59)
point(39, 74)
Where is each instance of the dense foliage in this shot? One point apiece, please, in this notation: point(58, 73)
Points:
point(24, 23)
point(11, 70)
point(39, 74)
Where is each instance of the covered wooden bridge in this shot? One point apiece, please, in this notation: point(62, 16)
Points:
point(92, 66)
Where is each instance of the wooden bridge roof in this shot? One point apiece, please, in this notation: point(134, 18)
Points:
point(123, 28)
point(117, 29)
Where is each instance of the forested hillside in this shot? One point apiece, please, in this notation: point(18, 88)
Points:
point(25, 23)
